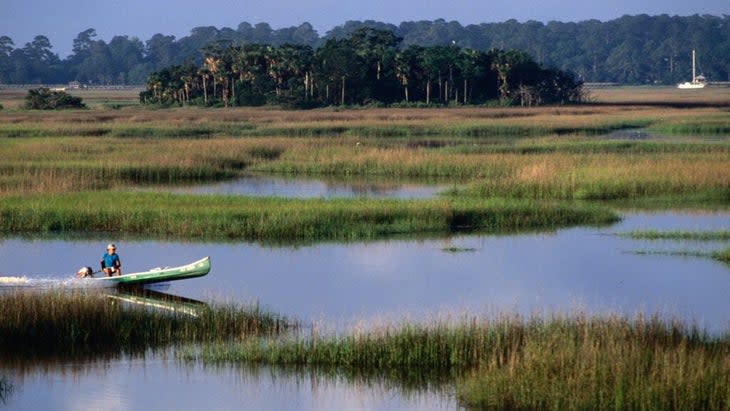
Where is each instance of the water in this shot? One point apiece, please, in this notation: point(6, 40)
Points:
point(266, 185)
point(642, 134)
point(338, 285)
point(157, 384)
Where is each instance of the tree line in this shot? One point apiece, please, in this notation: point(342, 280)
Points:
point(366, 67)
point(638, 49)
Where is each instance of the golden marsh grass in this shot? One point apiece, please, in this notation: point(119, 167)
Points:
point(546, 153)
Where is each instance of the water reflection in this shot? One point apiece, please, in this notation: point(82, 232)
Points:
point(6, 389)
point(160, 382)
point(266, 185)
point(154, 299)
point(643, 134)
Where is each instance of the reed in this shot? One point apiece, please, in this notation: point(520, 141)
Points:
point(455, 249)
point(609, 177)
point(69, 164)
point(660, 96)
point(276, 219)
point(127, 130)
point(706, 125)
point(509, 362)
point(717, 235)
point(614, 365)
point(472, 129)
point(722, 255)
point(584, 146)
point(544, 153)
point(465, 122)
point(69, 322)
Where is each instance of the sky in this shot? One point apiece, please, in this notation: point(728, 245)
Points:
point(62, 20)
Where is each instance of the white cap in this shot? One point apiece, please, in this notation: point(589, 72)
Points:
point(111, 245)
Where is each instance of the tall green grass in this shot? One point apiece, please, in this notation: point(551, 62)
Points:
point(610, 177)
point(703, 125)
point(65, 322)
point(470, 129)
point(719, 255)
point(585, 146)
point(572, 363)
point(129, 130)
point(72, 164)
point(716, 235)
point(278, 219)
point(607, 365)
point(541, 154)
point(722, 255)
point(358, 129)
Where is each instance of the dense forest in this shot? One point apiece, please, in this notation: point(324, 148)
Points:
point(366, 67)
point(632, 49)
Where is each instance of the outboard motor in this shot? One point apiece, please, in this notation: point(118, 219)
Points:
point(85, 272)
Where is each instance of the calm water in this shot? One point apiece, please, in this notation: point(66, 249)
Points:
point(647, 134)
point(160, 384)
point(266, 185)
point(339, 284)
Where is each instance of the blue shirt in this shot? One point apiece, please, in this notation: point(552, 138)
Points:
point(111, 260)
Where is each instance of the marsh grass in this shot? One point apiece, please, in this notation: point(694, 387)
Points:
point(710, 128)
point(69, 164)
point(472, 129)
point(501, 161)
point(69, 322)
point(717, 235)
point(371, 123)
point(704, 125)
point(563, 362)
point(276, 219)
point(131, 130)
point(661, 96)
point(608, 177)
point(720, 255)
point(607, 364)
point(534, 153)
point(584, 146)
point(674, 253)
point(706, 236)
point(454, 249)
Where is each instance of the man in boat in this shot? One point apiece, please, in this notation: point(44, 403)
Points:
point(110, 262)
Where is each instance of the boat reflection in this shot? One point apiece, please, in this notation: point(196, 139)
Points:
point(159, 300)
point(6, 389)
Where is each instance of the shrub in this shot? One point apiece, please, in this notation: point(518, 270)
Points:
point(43, 98)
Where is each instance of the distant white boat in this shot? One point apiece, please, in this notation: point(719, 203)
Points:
point(697, 81)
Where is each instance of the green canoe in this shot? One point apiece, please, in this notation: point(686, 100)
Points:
point(158, 275)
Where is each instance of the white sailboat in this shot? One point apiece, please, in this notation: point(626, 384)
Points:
point(697, 81)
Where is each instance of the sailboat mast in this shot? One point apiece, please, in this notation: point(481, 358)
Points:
point(694, 74)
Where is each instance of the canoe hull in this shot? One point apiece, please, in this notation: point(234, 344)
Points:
point(196, 269)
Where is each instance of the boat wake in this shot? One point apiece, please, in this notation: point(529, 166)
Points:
point(7, 282)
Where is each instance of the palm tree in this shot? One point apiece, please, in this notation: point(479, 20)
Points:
point(204, 74)
point(408, 69)
point(509, 64)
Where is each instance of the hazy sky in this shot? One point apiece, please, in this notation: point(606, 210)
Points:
point(62, 20)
